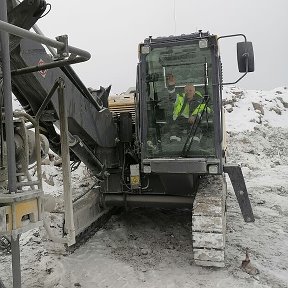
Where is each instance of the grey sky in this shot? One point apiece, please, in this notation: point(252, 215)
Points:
point(111, 31)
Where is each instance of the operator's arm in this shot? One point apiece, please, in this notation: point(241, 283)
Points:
point(171, 82)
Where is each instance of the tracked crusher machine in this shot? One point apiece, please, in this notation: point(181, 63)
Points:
point(132, 143)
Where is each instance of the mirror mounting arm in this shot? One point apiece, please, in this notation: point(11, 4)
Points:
point(232, 83)
point(244, 55)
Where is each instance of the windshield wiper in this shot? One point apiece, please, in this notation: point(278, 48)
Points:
point(194, 127)
point(198, 119)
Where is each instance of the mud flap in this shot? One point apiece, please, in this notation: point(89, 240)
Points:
point(238, 183)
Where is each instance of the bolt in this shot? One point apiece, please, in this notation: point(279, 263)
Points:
point(106, 174)
point(241, 192)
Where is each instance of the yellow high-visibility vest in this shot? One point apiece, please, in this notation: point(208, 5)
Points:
point(185, 113)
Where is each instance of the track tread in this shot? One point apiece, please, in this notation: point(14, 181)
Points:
point(209, 222)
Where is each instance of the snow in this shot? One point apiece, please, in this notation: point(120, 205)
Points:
point(245, 117)
point(152, 247)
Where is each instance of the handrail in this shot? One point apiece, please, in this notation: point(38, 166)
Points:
point(76, 56)
point(23, 33)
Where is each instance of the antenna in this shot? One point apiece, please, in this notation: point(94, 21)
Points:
point(174, 17)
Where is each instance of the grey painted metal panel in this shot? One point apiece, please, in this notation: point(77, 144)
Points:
point(180, 165)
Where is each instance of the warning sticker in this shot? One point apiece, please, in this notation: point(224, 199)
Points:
point(43, 73)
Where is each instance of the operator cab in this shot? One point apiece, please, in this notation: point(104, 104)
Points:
point(175, 124)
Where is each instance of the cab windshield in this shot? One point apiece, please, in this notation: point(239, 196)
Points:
point(179, 102)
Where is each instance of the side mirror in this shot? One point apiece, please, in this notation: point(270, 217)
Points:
point(245, 57)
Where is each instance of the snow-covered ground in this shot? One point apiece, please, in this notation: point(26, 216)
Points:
point(152, 247)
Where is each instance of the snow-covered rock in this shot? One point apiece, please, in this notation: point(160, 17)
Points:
point(252, 108)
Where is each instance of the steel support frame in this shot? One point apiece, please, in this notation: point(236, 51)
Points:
point(239, 186)
point(9, 127)
point(77, 55)
point(67, 187)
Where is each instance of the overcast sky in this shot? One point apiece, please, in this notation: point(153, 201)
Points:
point(111, 31)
